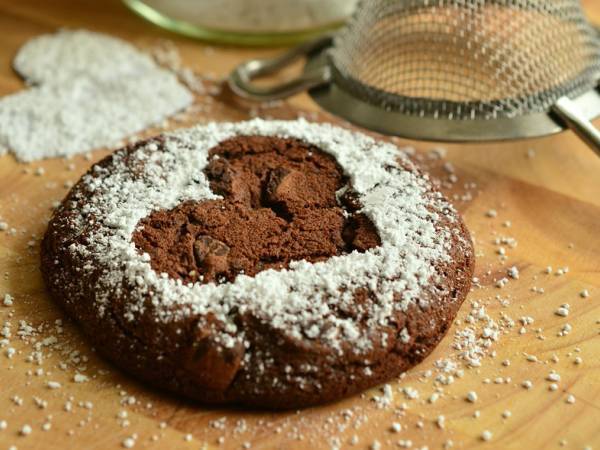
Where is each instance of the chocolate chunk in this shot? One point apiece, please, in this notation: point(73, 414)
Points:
point(224, 181)
point(220, 174)
point(360, 233)
point(212, 255)
point(350, 200)
point(213, 366)
point(283, 185)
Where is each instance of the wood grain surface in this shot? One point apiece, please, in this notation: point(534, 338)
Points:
point(548, 189)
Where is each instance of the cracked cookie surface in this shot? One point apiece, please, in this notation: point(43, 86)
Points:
point(279, 205)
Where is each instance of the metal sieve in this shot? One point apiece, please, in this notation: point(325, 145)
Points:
point(450, 70)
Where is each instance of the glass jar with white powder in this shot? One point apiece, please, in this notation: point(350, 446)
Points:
point(246, 22)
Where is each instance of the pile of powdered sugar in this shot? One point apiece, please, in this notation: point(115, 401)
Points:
point(89, 91)
point(300, 301)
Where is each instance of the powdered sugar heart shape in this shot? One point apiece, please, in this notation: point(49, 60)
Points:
point(61, 56)
point(280, 204)
point(89, 91)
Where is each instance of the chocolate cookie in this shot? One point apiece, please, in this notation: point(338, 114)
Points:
point(272, 264)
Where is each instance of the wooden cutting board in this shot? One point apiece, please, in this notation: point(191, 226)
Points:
point(548, 189)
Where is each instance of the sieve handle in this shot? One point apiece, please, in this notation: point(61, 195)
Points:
point(240, 80)
point(566, 109)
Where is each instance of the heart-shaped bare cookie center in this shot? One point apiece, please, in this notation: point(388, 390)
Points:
point(279, 205)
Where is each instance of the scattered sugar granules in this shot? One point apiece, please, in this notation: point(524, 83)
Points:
point(8, 300)
point(80, 378)
point(553, 376)
point(128, 442)
point(513, 272)
point(472, 396)
point(563, 311)
point(527, 384)
point(441, 422)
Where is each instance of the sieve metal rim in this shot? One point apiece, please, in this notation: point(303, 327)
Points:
point(339, 101)
point(318, 80)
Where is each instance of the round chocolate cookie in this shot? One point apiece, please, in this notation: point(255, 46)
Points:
point(276, 264)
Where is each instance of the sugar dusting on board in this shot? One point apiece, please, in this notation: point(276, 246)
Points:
point(89, 91)
point(40, 349)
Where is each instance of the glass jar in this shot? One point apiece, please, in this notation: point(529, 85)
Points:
point(246, 22)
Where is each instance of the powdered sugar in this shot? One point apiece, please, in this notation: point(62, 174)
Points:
point(301, 301)
point(70, 53)
point(93, 91)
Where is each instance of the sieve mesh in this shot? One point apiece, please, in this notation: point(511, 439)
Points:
point(462, 59)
